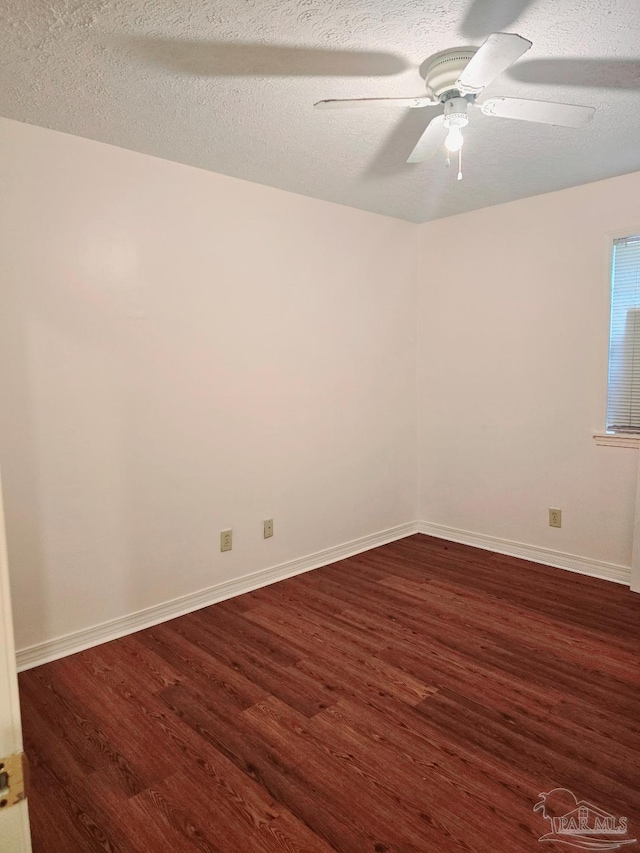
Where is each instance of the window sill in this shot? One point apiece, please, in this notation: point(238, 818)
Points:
point(617, 439)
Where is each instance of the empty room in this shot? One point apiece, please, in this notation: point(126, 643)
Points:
point(320, 426)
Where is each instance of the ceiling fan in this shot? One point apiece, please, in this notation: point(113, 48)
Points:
point(454, 80)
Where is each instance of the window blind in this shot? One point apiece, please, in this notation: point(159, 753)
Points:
point(623, 402)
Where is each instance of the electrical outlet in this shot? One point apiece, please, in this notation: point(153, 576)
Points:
point(226, 540)
point(268, 528)
point(555, 517)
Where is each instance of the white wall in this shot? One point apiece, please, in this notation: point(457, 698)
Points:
point(513, 337)
point(182, 352)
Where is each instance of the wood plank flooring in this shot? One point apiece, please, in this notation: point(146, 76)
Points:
point(418, 697)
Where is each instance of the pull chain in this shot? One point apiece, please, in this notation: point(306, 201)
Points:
point(460, 164)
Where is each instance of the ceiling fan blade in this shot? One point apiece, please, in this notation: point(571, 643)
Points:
point(563, 115)
point(349, 103)
point(390, 158)
point(482, 17)
point(498, 52)
point(209, 58)
point(430, 141)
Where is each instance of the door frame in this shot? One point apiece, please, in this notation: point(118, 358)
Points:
point(15, 836)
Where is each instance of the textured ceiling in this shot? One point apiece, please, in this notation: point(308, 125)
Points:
point(186, 81)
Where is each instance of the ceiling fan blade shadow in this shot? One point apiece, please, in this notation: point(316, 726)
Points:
point(586, 73)
point(392, 155)
point(244, 59)
point(484, 17)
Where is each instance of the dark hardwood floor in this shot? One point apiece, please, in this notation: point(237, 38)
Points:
point(418, 697)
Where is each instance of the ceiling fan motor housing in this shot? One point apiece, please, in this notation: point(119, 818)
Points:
point(444, 70)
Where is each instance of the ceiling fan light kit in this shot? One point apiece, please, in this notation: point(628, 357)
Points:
point(455, 118)
point(454, 79)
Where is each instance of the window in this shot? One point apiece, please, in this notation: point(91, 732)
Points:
point(623, 398)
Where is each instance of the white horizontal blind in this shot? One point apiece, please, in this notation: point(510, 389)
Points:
point(623, 402)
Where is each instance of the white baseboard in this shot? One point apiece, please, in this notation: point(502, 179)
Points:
point(78, 640)
point(557, 559)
